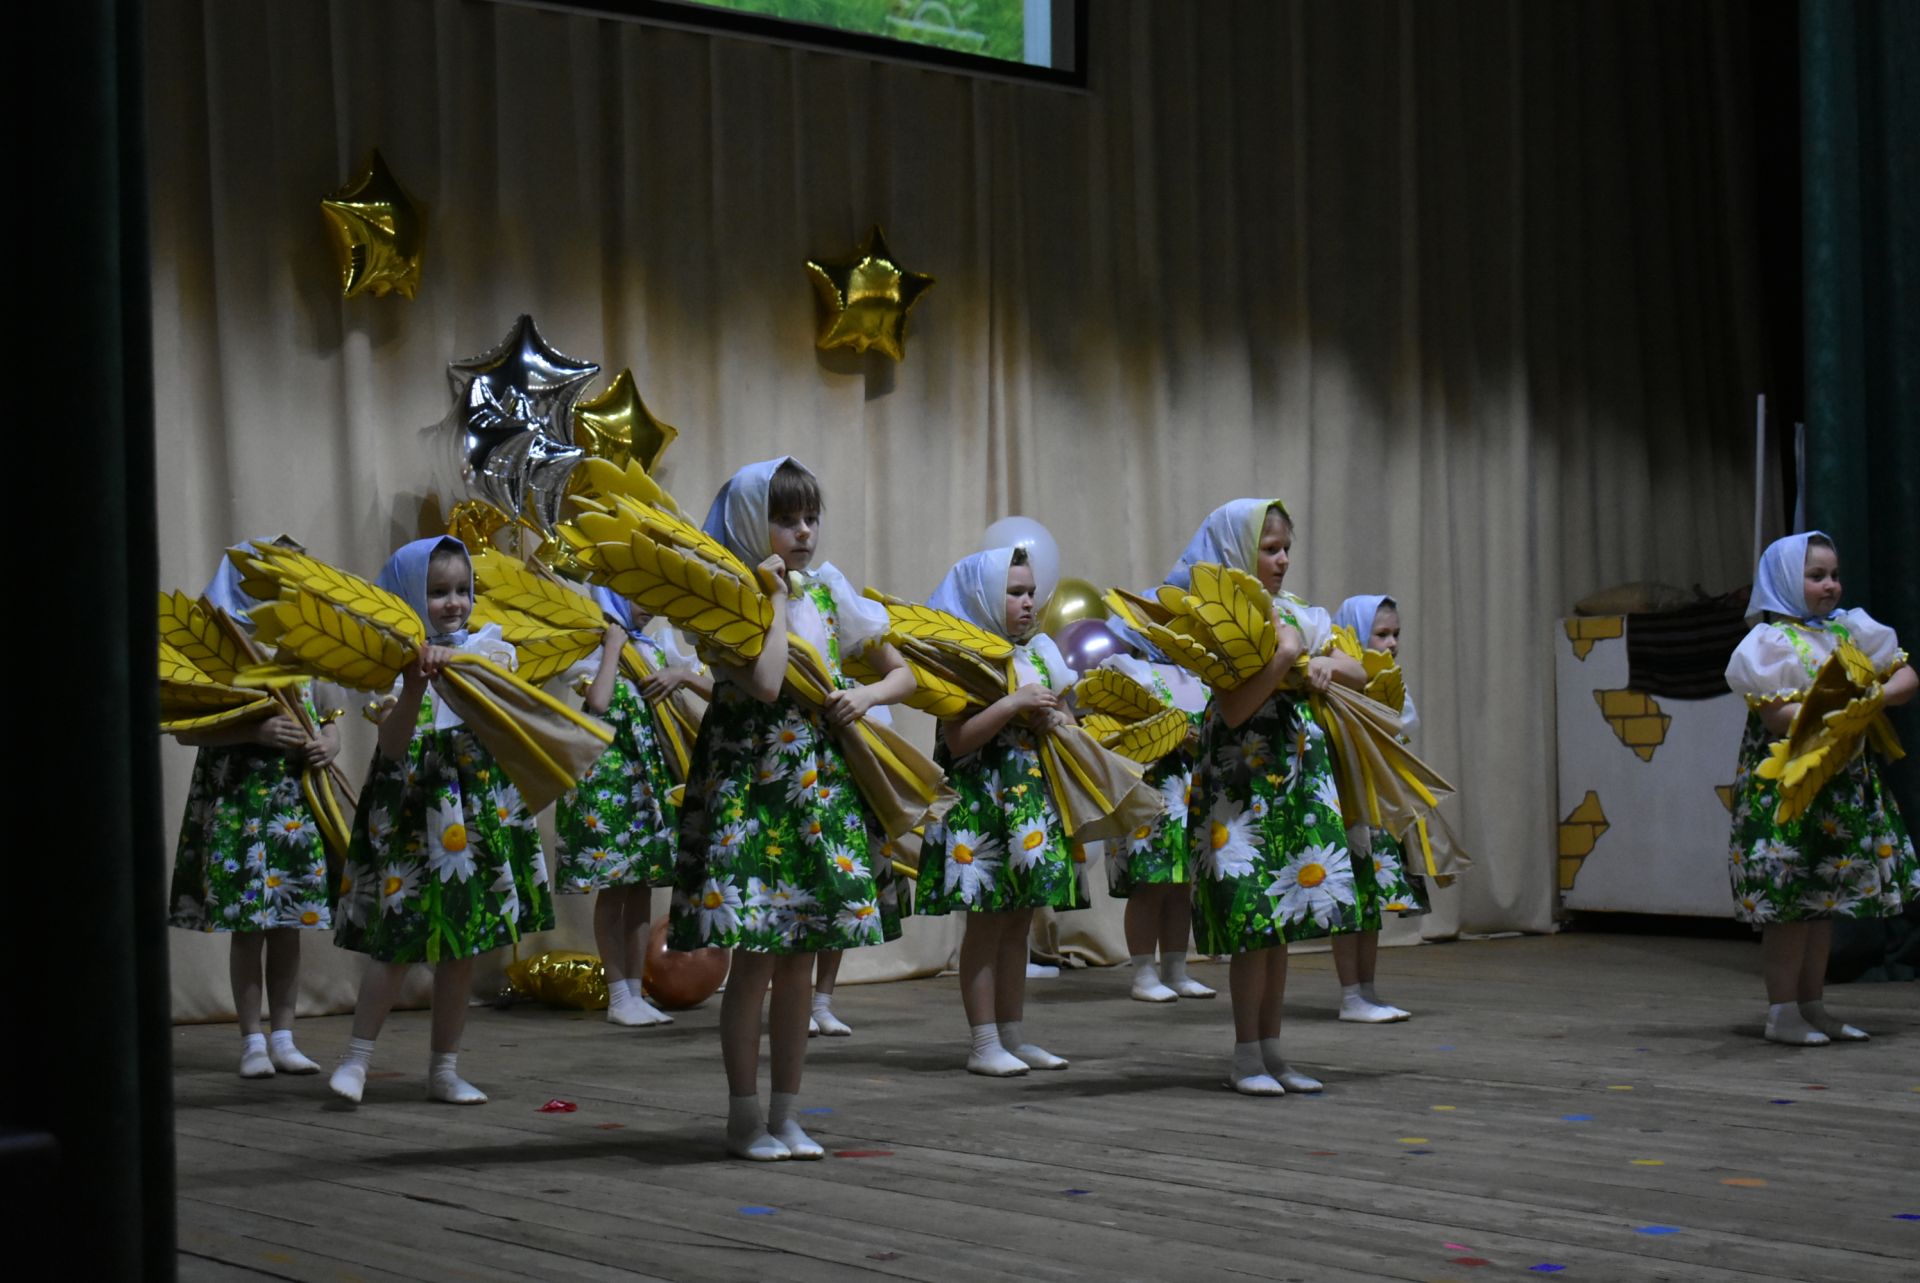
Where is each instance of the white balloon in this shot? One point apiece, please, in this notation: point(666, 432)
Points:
point(1042, 552)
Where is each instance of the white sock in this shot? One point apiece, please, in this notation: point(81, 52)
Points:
point(1146, 981)
point(1177, 978)
point(286, 1057)
point(989, 1057)
point(747, 1135)
point(1042, 971)
point(1816, 1014)
point(1786, 1025)
point(1372, 995)
point(1249, 1076)
point(350, 1076)
point(445, 1084)
point(1354, 1006)
point(783, 1128)
point(1014, 1039)
point(825, 1021)
point(254, 1061)
point(627, 1005)
point(1290, 1078)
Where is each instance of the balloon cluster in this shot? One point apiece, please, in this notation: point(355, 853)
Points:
point(518, 428)
point(1072, 611)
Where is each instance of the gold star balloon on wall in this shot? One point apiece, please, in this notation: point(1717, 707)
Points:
point(379, 232)
point(617, 426)
point(866, 297)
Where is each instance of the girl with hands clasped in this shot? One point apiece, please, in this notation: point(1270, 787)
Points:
point(618, 829)
point(250, 862)
point(1001, 852)
point(778, 857)
point(445, 862)
point(1848, 854)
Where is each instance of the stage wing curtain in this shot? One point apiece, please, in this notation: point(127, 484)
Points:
point(1469, 284)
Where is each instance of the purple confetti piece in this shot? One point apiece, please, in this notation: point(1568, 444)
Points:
point(1072, 1192)
point(1546, 1267)
point(1782, 1101)
point(1417, 1151)
point(757, 1210)
point(1657, 1229)
point(1906, 1216)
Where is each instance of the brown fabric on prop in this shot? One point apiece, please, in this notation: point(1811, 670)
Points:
point(542, 745)
point(1364, 735)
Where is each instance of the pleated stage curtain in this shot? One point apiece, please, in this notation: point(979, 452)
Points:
point(1471, 285)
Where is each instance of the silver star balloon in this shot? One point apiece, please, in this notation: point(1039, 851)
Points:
point(510, 426)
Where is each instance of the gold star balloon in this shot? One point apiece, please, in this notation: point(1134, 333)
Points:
point(617, 426)
point(379, 232)
point(866, 298)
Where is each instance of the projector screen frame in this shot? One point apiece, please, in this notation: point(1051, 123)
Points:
point(753, 26)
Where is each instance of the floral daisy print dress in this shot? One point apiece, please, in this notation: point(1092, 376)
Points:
point(1156, 853)
point(619, 826)
point(445, 861)
point(776, 847)
point(250, 856)
point(1849, 855)
point(1264, 825)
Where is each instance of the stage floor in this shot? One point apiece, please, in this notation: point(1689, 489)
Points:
point(1602, 1105)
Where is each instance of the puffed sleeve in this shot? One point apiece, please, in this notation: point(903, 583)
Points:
point(1409, 718)
point(1060, 674)
point(862, 620)
point(1127, 666)
point(1316, 625)
point(1765, 668)
point(1880, 643)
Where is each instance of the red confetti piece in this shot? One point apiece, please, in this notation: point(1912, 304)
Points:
point(1323, 1153)
point(863, 1153)
point(1468, 1260)
point(557, 1106)
point(1455, 1247)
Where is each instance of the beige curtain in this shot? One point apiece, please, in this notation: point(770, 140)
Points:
point(1470, 284)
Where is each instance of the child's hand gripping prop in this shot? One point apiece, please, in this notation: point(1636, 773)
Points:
point(324, 622)
point(203, 651)
point(1843, 713)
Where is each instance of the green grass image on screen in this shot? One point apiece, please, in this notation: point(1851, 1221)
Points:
point(989, 28)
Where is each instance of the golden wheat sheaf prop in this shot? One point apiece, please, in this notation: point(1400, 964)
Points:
point(1219, 628)
point(1129, 718)
point(323, 622)
point(1385, 684)
point(1844, 712)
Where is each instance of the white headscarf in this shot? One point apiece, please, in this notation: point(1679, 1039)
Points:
point(224, 589)
point(405, 575)
point(1780, 580)
point(739, 519)
point(1358, 613)
point(1230, 536)
point(613, 604)
point(976, 590)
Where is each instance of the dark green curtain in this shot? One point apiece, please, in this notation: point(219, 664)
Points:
point(1860, 138)
point(86, 1122)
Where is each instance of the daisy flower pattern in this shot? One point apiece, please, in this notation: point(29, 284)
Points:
point(772, 814)
point(444, 861)
point(626, 793)
point(248, 846)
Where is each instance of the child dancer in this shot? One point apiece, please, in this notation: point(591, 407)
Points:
point(1151, 868)
point(250, 861)
point(1001, 851)
point(1849, 854)
point(1265, 817)
point(1386, 884)
point(774, 853)
point(445, 863)
point(618, 829)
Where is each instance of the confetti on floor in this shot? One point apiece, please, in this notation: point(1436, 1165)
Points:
point(557, 1106)
point(1413, 1140)
point(1906, 1216)
point(1546, 1267)
point(1456, 1247)
point(757, 1210)
point(1468, 1260)
point(1072, 1192)
point(1656, 1229)
point(1620, 1087)
point(1780, 1101)
point(817, 1109)
point(1648, 1162)
point(1438, 1109)
point(1323, 1153)
point(1576, 1118)
point(863, 1153)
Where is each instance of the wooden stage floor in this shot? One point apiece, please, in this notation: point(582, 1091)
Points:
point(1602, 1104)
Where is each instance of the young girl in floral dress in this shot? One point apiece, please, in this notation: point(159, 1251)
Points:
point(250, 863)
point(1001, 852)
point(1849, 854)
point(445, 863)
point(775, 859)
point(1265, 815)
point(1380, 867)
point(1152, 867)
point(619, 828)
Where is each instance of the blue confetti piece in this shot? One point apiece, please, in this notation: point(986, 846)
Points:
point(1072, 1192)
point(1781, 1101)
point(1576, 1118)
point(1906, 1216)
point(1657, 1229)
point(1546, 1267)
point(759, 1211)
point(817, 1109)
point(1417, 1151)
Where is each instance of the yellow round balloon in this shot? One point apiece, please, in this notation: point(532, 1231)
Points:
point(379, 232)
point(1072, 599)
point(865, 298)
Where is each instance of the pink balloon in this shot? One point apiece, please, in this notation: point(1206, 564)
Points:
point(1086, 642)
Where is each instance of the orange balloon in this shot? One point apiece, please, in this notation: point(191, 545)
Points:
point(677, 981)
